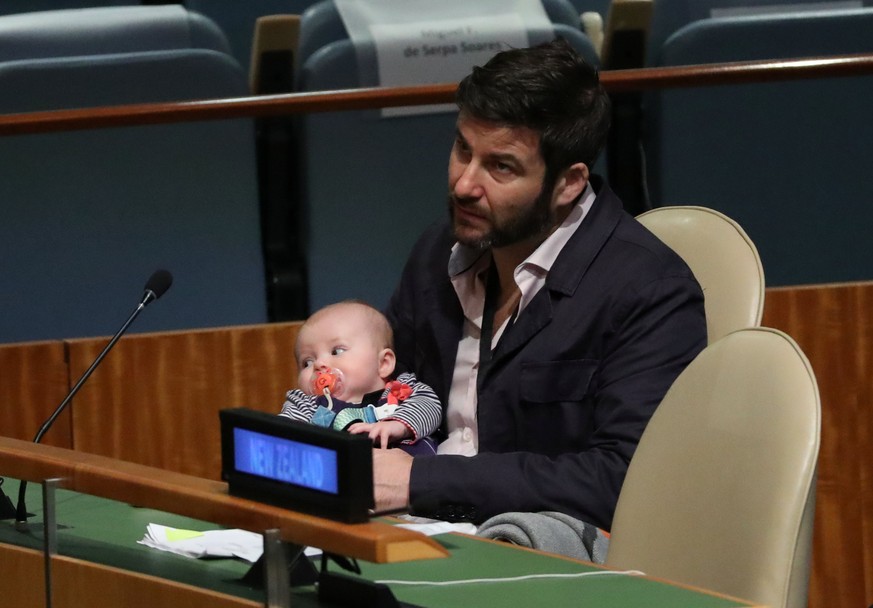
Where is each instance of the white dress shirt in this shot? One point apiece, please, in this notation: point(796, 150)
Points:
point(468, 269)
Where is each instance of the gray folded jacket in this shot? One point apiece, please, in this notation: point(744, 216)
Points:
point(549, 531)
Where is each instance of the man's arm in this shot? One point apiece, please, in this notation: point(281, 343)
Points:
point(391, 471)
point(656, 333)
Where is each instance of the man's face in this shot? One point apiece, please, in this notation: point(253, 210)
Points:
point(496, 195)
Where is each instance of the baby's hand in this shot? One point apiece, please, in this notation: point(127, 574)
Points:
point(383, 432)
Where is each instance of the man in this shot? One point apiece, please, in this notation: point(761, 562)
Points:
point(589, 316)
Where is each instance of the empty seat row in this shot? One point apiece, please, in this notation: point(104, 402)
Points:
point(90, 214)
point(784, 159)
point(671, 16)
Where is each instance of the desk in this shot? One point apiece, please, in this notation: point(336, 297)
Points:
point(105, 533)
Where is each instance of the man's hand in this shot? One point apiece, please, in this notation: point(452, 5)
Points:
point(391, 472)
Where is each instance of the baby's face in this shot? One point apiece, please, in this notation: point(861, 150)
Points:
point(343, 341)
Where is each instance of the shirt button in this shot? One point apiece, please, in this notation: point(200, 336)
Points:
point(467, 435)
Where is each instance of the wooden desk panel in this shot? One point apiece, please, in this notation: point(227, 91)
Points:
point(155, 399)
point(79, 583)
point(833, 324)
point(205, 500)
point(33, 382)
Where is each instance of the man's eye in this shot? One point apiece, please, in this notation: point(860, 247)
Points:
point(504, 167)
point(338, 350)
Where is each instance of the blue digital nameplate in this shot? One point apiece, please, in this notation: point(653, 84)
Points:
point(296, 465)
point(285, 460)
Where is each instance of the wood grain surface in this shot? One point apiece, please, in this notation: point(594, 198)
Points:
point(833, 324)
point(155, 400)
point(614, 81)
point(33, 382)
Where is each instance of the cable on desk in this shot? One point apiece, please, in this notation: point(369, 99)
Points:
point(515, 578)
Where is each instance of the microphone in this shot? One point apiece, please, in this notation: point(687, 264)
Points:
point(155, 287)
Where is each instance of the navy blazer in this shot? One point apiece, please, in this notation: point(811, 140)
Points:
point(572, 383)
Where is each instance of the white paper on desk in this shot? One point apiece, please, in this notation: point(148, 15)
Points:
point(250, 546)
point(212, 543)
point(434, 527)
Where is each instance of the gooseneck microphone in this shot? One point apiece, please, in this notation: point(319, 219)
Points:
point(155, 287)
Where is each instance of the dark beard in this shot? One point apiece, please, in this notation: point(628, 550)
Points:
point(535, 220)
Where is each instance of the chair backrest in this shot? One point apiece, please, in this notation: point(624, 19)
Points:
point(237, 19)
point(746, 149)
point(29, 6)
point(371, 185)
point(562, 11)
point(88, 215)
point(596, 6)
point(365, 207)
point(720, 492)
point(321, 23)
point(723, 259)
point(670, 16)
point(106, 30)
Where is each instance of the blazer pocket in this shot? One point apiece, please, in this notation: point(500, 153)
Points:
point(550, 381)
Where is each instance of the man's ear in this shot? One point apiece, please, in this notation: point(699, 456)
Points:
point(387, 362)
point(570, 184)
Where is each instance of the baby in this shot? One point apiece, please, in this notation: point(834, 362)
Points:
point(346, 365)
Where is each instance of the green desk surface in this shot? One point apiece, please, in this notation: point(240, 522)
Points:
point(106, 532)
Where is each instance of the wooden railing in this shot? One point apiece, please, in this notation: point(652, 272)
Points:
point(208, 500)
point(616, 81)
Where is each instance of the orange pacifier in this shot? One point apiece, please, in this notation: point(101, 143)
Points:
point(330, 381)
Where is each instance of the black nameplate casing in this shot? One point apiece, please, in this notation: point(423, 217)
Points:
point(295, 465)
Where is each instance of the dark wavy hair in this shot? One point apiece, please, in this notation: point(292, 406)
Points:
point(548, 88)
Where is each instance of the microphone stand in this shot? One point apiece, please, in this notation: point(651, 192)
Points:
point(7, 510)
point(21, 513)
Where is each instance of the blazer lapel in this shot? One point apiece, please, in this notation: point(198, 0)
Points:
point(566, 273)
point(584, 246)
point(445, 319)
point(535, 316)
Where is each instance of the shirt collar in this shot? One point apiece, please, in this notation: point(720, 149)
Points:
point(545, 255)
point(467, 265)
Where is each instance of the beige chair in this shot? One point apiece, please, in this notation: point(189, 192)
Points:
point(721, 256)
point(721, 491)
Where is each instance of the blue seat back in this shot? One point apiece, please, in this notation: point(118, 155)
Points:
point(596, 6)
point(104, 30)
point(11, 7)
point(321, 23)
point(89, 214)
point(237, 19)
point(370, 186)
point(669, 16)
point(783, 159)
